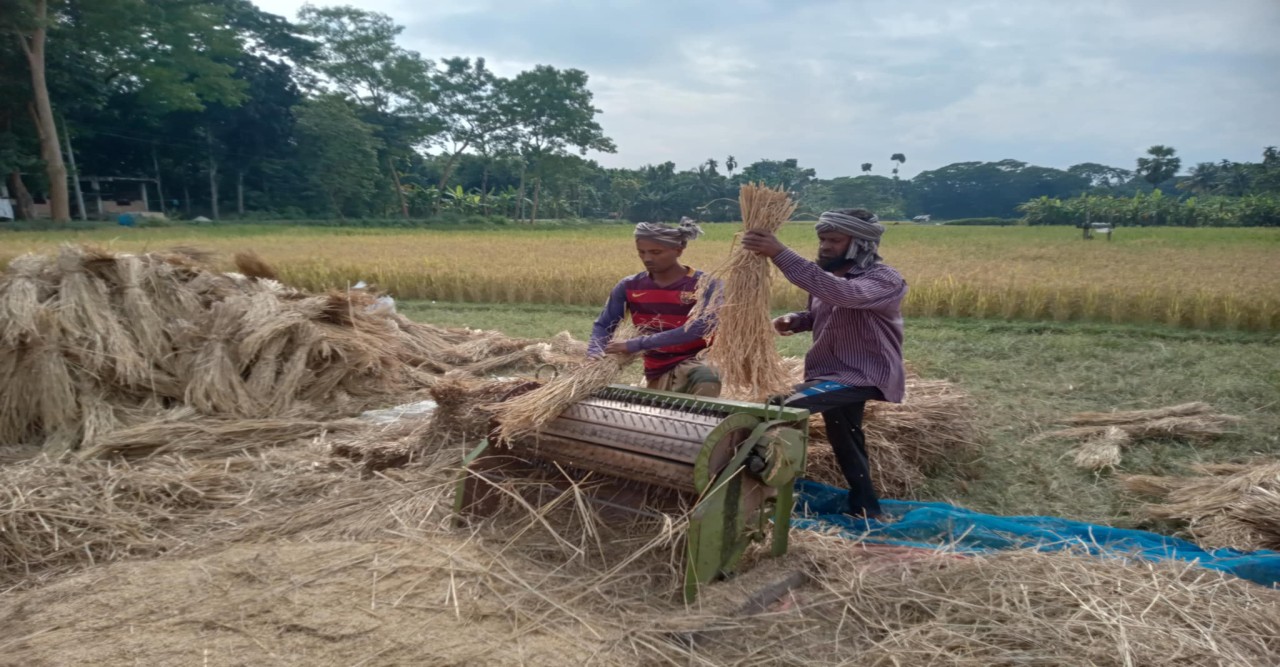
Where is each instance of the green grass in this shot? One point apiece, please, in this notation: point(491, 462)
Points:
point(1024, 376)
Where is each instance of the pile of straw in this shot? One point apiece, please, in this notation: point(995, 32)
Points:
point(100, 349)
point(1235, 505)
point(744, 350)
point(905, 441)
point(1105, 434)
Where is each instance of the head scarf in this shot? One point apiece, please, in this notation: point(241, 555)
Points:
point(676, 237)
point(865, 233)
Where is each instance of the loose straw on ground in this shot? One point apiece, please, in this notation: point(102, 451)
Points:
point(743, 347)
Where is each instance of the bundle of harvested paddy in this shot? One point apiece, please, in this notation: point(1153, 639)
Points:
point(462, 414)
point(1224, 505)
point(93, 342)
point(528, 413)
point(1107, 433)
point(744, 349)
point(1102, 451)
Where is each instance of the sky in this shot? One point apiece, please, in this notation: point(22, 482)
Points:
point(838, 83)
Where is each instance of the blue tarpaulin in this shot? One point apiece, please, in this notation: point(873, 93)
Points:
point(917, 524)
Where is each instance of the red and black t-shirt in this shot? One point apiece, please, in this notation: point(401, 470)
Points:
point(660, 312)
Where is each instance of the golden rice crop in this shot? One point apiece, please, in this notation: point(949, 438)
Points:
point(1201, 278)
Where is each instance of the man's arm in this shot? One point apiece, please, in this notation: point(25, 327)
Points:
point(866, 292)
point(799, 322)
point(688, 333)
point(604, 326)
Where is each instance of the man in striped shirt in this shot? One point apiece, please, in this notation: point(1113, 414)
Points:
point(660, 299)
point(855, 314)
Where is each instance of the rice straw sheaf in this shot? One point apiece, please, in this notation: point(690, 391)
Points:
point(528, 413)
point(94, 341)
point(1106, 434)
point(1103, 451)
point(743, 347)
point(1231, 505)
point(1138, 416)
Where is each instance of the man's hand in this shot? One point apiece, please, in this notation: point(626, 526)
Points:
point(782, 325)
point(762, 243)
point(616, 347)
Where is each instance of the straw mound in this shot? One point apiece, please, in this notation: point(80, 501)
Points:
point(1105, 434)
point(95, 345)
point(905, 441)
point(1225, 505)
point(460, 599)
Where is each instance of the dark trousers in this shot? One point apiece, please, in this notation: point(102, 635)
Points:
point(842, 410)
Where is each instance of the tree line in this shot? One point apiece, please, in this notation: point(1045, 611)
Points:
point(230, 111)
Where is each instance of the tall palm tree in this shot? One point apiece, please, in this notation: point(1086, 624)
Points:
point(1160, 167)
point(731, 163)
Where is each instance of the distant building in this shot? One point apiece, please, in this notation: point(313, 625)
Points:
point(105, 197)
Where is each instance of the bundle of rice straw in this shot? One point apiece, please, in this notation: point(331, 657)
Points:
point(1102, 451)
point(527, 414)
point(743, 348)
point(94, 342)
point(462, 415)
point(1107, 433)
point(1235, 505)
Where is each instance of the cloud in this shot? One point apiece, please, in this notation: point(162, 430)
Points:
point(836, 83)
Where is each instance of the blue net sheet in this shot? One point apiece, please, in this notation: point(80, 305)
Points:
point(818, 507)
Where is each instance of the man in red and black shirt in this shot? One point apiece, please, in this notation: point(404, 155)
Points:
point(659, 300)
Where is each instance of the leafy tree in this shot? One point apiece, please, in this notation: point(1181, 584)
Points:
point(551, 110)
point(1160, 167)
point(900, 159)
point(1202, 180)
point(341, 152)
point(866, 167)
point(987, 189)
point(1101, 176)
point(785, 174)
point(472, 109)
point(359, 58)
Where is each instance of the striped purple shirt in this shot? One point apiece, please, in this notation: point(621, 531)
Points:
point(856, 322)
